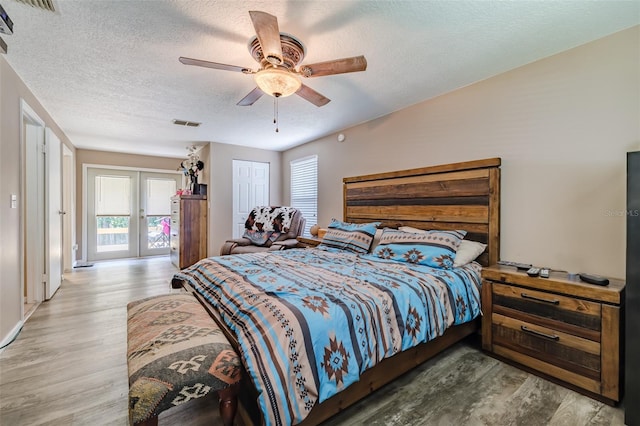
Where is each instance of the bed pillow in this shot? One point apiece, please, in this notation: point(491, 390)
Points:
point(376, 240)
point(431, 248)
point(468, 251)
point(355, 237)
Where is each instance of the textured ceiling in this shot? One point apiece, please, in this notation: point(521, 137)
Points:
point(108, 71)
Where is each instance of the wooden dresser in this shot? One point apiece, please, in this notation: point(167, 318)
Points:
point(562, 329)
point(188, 229)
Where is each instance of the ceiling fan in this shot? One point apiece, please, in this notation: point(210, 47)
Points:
point(279, 56)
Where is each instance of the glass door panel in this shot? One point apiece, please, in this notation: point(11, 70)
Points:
point(113, 233)
point(112, 228)
point(156, 191)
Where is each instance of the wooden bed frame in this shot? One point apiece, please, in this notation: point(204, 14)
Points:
point(463, 196)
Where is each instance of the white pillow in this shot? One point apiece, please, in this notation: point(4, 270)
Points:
point(468, 251)
point(410, 229)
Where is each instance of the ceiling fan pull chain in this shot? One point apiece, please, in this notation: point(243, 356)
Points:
point(275, 113)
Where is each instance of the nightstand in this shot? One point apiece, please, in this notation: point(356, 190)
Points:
point(562, 329)
point(305, 242)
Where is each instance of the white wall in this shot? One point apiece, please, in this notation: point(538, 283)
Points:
point(561, 125)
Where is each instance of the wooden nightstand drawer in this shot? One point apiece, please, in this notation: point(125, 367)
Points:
point(567, 351)
point(568, 314)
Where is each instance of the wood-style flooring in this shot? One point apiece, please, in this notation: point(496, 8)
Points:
point(68, 367)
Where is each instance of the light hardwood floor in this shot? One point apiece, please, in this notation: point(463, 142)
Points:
point(68, 367)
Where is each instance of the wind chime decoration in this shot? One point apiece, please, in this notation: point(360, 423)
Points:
point(191, 168)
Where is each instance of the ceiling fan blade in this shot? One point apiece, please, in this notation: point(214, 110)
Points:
point(253, 96)
point(268, 34)
point(312, 96)
point(214, 65)
point(338, 66)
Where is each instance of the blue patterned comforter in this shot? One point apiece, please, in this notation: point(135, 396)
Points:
point(310, 321)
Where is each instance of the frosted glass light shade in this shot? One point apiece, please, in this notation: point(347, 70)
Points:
point(277, 82)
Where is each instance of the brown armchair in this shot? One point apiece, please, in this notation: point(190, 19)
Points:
point(273, 217)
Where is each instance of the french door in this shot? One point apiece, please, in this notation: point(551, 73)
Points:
point(128, 213)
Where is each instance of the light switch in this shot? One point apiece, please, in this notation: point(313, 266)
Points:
point(14, 201)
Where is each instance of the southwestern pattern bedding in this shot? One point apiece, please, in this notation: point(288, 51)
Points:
point(309, 321)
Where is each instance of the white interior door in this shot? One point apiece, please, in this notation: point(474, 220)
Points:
point(250, 189)
point(156, 191)
point(260, 184)
point(54, 213)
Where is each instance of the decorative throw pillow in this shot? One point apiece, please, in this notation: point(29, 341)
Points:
point(431, 248)
point(468, 251)
point(355, 237)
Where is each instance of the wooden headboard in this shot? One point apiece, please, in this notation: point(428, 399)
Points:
point(463, 196)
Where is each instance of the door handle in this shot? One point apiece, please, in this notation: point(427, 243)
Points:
point(61, 212)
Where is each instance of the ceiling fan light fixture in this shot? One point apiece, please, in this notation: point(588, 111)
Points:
point(277, 82)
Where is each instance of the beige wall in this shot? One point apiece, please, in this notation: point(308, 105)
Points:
point(221, 190)
point(12, 90)
point(204, 153)
point(562, 127)
point(113, 159)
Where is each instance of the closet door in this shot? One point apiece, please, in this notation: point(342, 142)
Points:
point(632, 322)
point(250, 189)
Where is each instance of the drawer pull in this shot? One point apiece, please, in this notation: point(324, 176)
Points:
point(537, 333)
point(539, 299)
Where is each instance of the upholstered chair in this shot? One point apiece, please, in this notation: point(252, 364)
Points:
point(283, 241)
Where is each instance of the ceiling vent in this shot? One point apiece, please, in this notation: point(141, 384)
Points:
point(40, 4)
point(186, 123)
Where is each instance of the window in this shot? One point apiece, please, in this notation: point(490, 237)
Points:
point(304, 189)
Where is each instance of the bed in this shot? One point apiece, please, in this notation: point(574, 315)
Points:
point(319, 329)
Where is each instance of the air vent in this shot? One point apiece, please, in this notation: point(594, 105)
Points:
point(40, 4)
point(186, 123)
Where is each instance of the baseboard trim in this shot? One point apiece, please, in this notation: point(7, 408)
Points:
point(11, 336)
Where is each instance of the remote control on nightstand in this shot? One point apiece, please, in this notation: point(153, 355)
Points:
point(593, 279)
point(544, 273)
point(533, 272)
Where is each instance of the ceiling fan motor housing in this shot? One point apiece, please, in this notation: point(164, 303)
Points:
point(293, 52)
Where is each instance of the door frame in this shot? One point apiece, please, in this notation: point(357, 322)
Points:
point(68, 207)
point(35, 289)
point(85, 167)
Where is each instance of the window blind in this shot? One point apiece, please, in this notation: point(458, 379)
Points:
point(304, 189)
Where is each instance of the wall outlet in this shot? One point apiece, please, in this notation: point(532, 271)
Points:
point(14, 201)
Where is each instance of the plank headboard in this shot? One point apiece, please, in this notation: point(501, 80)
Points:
point(463, 196)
